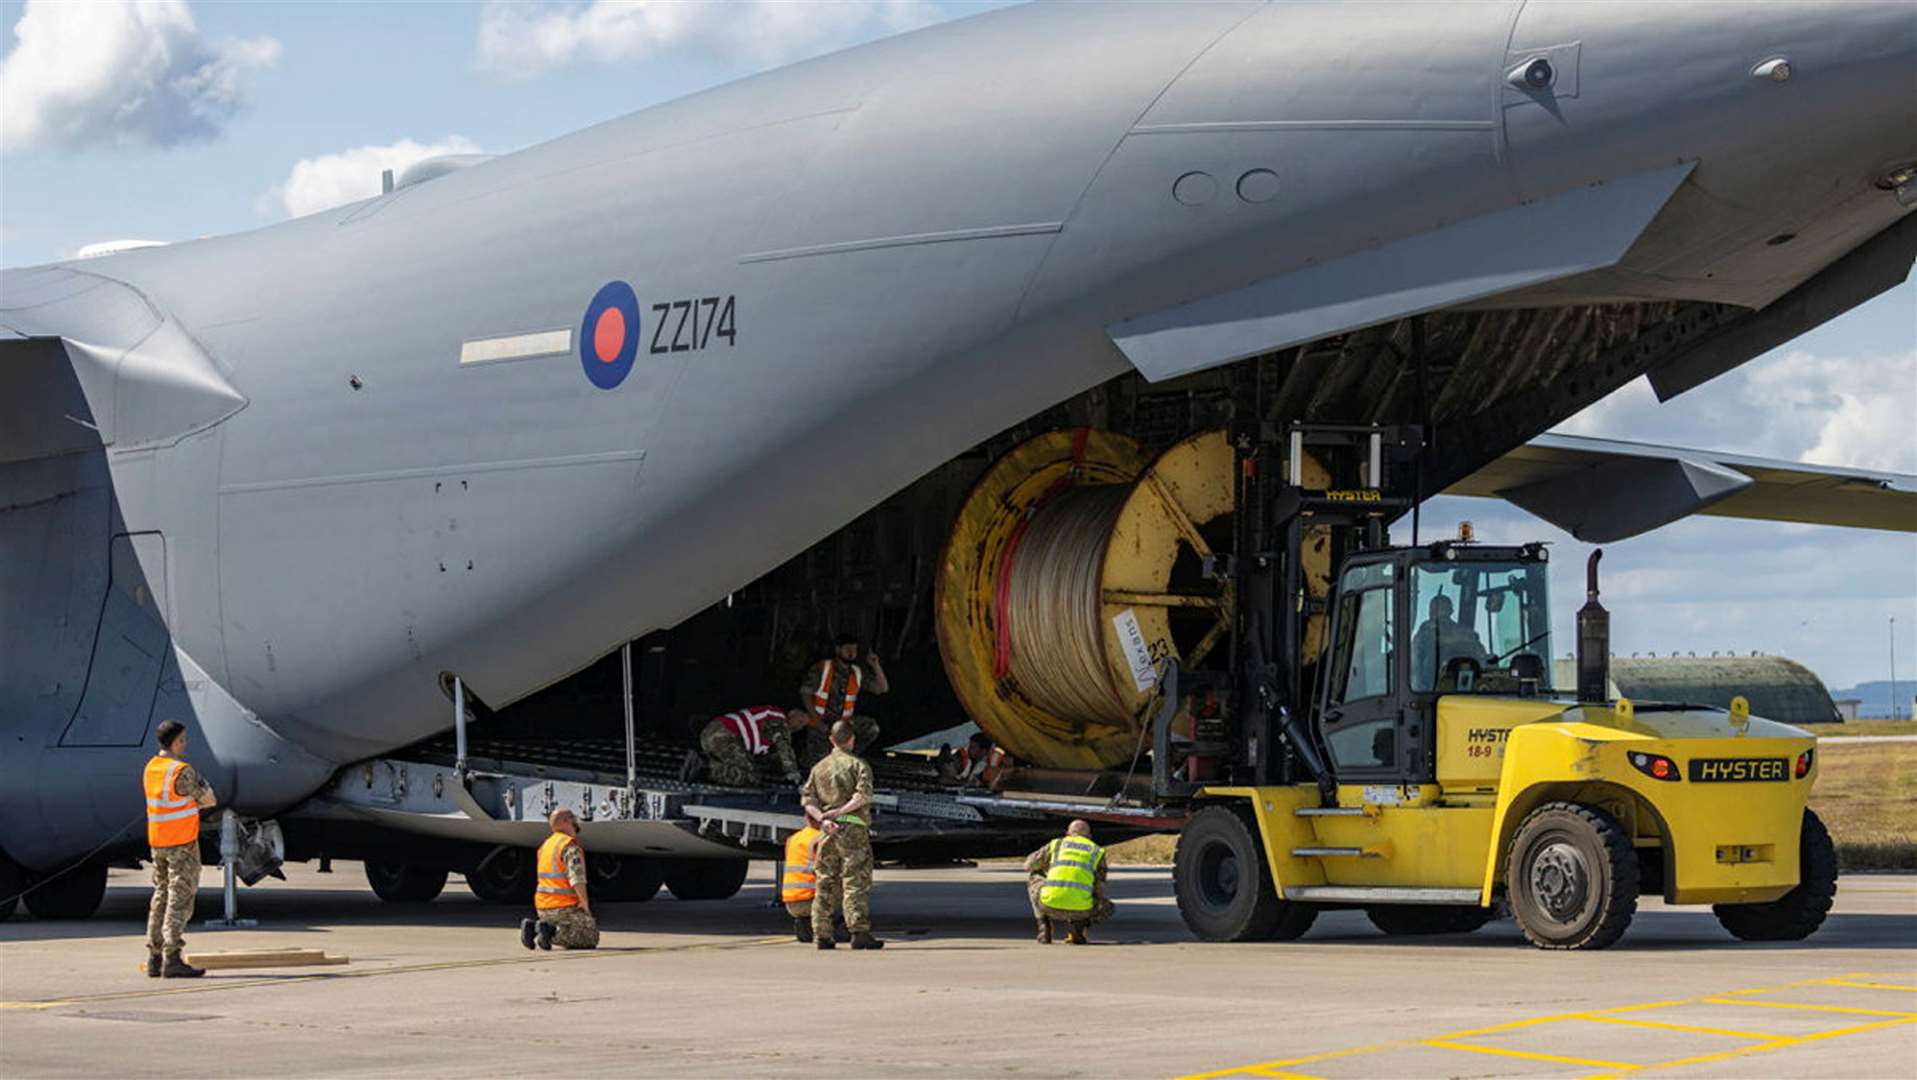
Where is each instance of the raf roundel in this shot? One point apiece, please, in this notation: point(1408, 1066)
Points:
point(609, 337)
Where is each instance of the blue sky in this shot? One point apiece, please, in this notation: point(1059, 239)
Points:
point(172, 120)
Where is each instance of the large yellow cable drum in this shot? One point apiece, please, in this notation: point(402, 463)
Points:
point(1056, 595)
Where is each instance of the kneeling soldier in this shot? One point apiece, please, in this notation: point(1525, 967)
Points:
point(563, 907)
point(732, 744)
point(1067, 884)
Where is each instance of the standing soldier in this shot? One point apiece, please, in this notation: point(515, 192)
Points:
point(1067, 884)
point(175, 795)
point(832, 686)
point(733, 742)
point(561, 902)
point(838, 799)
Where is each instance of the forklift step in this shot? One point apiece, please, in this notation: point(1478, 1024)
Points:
point(1379, 894)
point(1338, 852)
point(1330, 811)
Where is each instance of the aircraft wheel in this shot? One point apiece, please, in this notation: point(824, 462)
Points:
point(1572, 877)
point(13, 882)
point(400, 883)
point(1798, 913)
point(1413, 920)
point(1224, 888)
point(75, 894)
point(706, 879)
point(505, 876)
point(626, 878)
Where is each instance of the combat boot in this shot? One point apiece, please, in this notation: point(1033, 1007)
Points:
point(1077, 935)
point(824, 941)
point(802, 929)
point(543, 935)
point(862, 939)
point(1044, 931)
point(528, 930)
point(839, 933)
point(152, 965)
point(177, 968)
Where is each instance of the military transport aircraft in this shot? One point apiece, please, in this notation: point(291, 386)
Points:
point(709, 374)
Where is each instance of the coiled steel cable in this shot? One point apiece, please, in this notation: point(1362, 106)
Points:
point(1054, 607)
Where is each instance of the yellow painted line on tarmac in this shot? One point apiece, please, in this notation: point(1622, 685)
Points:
point(203, 987)
point(1872, 985)
point(1782, 1043)
point(1728, 1033)
point(1530, 1055)
point(1810, 1008)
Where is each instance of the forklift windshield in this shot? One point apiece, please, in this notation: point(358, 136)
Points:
point(1482, 627)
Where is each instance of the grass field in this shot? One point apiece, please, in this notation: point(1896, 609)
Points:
point(1862, 727)
point(1867, 796)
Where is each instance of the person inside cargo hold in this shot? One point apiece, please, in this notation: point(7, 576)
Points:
point(1065, 881)
point(977, 762)
point(561, 905)
point(733, 743)
point(830, 691)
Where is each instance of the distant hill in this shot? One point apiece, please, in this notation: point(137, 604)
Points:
point(1875, 697)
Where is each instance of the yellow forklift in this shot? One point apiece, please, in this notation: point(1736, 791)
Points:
point(1421, 765)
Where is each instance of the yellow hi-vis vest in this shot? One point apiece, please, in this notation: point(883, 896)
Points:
point(171, 821)
point(1068, 884)
point(801, 875)
point(555, 888)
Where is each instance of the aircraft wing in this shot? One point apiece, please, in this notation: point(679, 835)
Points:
point(1600, 490)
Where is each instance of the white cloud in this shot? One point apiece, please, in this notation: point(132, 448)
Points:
point(329, 180)
point(83, 74)
point(519, 40)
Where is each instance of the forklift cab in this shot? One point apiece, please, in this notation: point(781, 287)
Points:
point(1410, 625)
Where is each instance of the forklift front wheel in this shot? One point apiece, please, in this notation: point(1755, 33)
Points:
point(1572, 877)
point(1225, 891)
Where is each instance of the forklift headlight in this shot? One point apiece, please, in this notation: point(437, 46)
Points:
point(1804, 761)
point(1657, 766)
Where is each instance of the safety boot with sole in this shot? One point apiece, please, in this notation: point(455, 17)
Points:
point(544, 935)
point(824, 942)
point(152, 965)
point(176, 968)
point(864, 940)
point(528, 930)
point(802, 929)
point(1044, 931)
point(1077, 935)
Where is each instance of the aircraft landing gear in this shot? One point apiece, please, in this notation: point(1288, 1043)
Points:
point(627, 878)
point(706, 879)
point(13, 882)
point(400, 883)
point(504, 876)
point(75, 894)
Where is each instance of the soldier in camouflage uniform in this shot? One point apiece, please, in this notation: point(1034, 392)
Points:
point(730, 759)
point(563, 910)
point(838, 799)
point(175, 795)
point(1038, 867)
point(831, 690)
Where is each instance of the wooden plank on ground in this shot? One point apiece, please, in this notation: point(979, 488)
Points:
point(264, 958)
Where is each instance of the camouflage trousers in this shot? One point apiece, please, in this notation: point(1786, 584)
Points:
point(799, 909)
point(1102, 907)
point(572, 928)
point(176, 878)
point(727, 759)
point(815, 743)
point(845, 879)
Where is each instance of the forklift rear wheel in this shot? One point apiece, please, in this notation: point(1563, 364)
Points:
point(1224, 888)
point(626, 878)
point(401, 883)
point(505, 876)
point(75, 894)
point(706, 879)
point(1410, 920)
point(1798, 913)
point(1572, 877)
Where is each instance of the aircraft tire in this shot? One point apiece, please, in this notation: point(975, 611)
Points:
point(1417, 920)
point(1223, 886)
point(1797, 914)
point(625, 878)
point(13, 882)
point(505, 876)
point(706, 879)
point(1572, 877)
point(401, 883)
point(75, 894)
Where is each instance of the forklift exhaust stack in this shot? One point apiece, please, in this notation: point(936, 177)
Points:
point(1594, 639)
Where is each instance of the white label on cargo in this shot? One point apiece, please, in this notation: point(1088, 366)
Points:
point(1137, 653)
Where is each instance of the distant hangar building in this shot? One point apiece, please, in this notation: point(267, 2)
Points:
point(1778, 688)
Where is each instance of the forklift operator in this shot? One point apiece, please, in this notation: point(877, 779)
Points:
point(1441, 640)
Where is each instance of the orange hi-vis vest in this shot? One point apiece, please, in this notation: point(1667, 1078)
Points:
point(555, 888)
point(749, 725)
point(822, 693)
point(171, 821)
point(801, 872)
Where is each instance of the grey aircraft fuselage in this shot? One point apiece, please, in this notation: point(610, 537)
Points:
point(841, 273)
